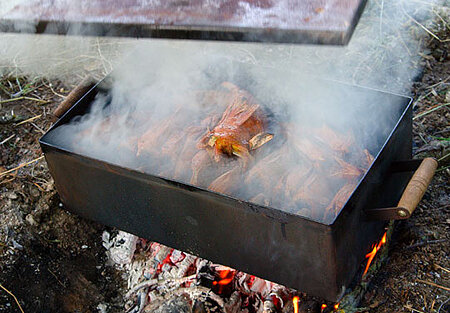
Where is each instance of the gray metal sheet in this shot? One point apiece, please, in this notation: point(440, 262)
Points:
point(287, 21)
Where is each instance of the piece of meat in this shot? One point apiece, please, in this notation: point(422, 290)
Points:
point(173, 144)
point(241, 121)
point(295, 179)
point(151, 139)
point(265, 170)
point(201, 161)
point(183, 163)
point(228, 182)
point(260, 199)
point(315, 192)
point(309, 149)
point(368, 160)
point(339, 201)
point(346, 170)
point(335, 140)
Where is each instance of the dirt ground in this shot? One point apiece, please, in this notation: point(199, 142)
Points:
point(52, 261)
point(420, 247)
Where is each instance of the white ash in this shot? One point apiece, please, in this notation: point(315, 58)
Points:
point(102, 308)
point(120, 248)
point(158, 275)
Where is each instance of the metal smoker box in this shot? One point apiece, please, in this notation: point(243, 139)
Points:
point(316, 258)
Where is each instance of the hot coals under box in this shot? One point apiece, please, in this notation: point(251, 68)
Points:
point(313, 257)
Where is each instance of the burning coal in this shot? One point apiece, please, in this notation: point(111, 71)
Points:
point(160, 275)
point(295, 302)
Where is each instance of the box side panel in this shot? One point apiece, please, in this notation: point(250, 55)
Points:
point(291, 251)
point(355, 234)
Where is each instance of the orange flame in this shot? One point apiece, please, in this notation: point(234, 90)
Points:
point(323, 307)
point(374, 251)
point(295, 301)
point(336, 306)
point(226, 277)
point(224, 280)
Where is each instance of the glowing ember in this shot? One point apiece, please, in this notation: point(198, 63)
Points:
point(374, 251)
point(167, 260)
point(225, 277)
point(336, 306)
point(295, 301)
point(323, 307)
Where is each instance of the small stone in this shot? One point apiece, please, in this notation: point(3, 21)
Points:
point(34, 192)
point(106, 242)
point(84, 247)
point(29, 218)
point(13, 196)
point(16, 245)
point(102, 308)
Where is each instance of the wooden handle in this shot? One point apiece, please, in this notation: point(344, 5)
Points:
point(416, 187)
point(75, 95)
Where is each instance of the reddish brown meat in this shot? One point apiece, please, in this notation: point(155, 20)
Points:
point(339, 200)
point(227, 182)
point(241, 121)
point(337, 141)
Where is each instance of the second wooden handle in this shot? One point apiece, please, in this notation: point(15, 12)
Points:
point(73, 97)
point(417, 186)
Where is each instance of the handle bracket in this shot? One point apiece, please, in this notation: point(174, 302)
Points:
point(393, 213)
point(411, 196)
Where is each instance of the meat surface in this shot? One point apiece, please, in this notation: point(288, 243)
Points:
point(222, 145)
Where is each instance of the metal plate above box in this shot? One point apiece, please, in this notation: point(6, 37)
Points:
point(284, 21)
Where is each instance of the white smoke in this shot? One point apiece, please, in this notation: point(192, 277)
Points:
point(161, 77)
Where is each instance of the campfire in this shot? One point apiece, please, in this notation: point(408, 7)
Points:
point(164, 278)
point(248, 186)
point(240, 174)
point(288, 179)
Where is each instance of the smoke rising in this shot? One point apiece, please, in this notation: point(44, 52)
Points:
point(167, 95)
point(166, 98)
point(383, 52)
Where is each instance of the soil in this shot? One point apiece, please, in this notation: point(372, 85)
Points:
point(53, 261)
point(420, 245)
point(50, 260)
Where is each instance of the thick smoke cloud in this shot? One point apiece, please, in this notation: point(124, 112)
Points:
point(383, 52)
point(156, 114)
point(158, 107)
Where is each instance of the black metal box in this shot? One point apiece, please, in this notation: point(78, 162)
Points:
point(312, 257)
